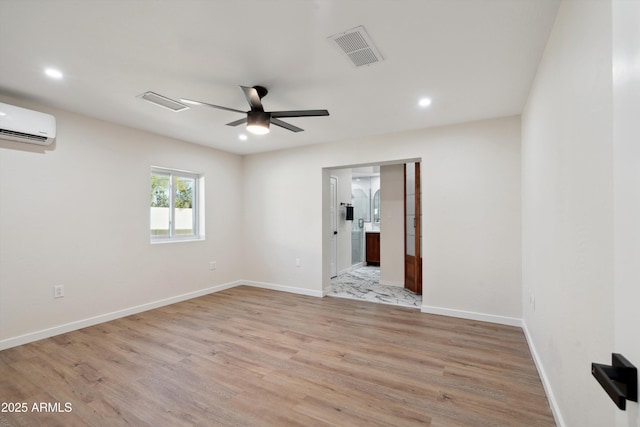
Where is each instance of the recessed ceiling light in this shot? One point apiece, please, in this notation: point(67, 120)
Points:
point(242, 137)
point(424, 102)
point(53, 73)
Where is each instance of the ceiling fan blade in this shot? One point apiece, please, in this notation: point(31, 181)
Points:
point(299, 113)
point(253, 97)
point(192, 102)
point(285, 125)
point(237, 122)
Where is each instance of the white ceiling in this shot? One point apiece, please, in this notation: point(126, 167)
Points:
point(475, 58)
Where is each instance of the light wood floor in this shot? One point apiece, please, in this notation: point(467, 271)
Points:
point(252, 357)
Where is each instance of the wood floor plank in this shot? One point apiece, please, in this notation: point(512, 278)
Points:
point(248, 356)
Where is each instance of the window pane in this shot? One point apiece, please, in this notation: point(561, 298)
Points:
point(410, 208)
point(160, 204)
point(174, 205)
point(184, 206)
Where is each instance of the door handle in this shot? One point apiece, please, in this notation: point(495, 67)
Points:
point(335, 232)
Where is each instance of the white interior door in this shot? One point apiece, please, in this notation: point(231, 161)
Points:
point(333, 215)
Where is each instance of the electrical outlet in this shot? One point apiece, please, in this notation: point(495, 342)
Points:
point(58, 291)
point(213, 265)
point(297, 262)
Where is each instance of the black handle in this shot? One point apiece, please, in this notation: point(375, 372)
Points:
point(620, 380)
point(335, 232)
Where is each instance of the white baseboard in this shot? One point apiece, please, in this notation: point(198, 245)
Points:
point(555, 409)
point(291, 289)
point(79, 324)
point(482, 317)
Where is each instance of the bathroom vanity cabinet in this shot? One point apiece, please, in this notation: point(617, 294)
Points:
point(372, 243)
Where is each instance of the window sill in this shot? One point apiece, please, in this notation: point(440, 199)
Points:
point(174, 240)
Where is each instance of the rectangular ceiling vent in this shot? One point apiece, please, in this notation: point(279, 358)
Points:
point(357, 46)
point(163, 101)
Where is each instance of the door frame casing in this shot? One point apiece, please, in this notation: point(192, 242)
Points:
point(326, 239)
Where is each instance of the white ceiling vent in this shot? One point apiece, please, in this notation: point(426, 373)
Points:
point(163, 101)
point(357, 46)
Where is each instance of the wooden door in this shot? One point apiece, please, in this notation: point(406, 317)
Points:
point(412, 227)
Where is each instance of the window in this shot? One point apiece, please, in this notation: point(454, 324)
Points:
point(175, 204)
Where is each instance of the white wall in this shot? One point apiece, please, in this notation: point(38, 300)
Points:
point(626, 154)
point(567, 187)
point(78, 215)
point(471, 206)
point(392, 225)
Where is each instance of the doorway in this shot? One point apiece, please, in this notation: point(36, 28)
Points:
point(357, 277)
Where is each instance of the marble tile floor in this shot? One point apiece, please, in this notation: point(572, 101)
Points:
point(364, 284)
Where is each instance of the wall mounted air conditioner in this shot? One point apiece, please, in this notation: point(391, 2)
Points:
point(20, 124)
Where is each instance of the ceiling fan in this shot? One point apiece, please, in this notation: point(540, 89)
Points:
point(257, 119)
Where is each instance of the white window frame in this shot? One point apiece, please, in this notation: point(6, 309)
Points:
point(197, 206)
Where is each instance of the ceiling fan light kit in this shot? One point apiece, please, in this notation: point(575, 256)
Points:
point(258, 121)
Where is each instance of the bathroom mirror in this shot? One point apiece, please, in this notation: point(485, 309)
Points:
point(376, 207)
point(361, 198)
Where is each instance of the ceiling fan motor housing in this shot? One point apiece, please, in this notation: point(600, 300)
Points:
point(259, 118)
point(262, 91)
